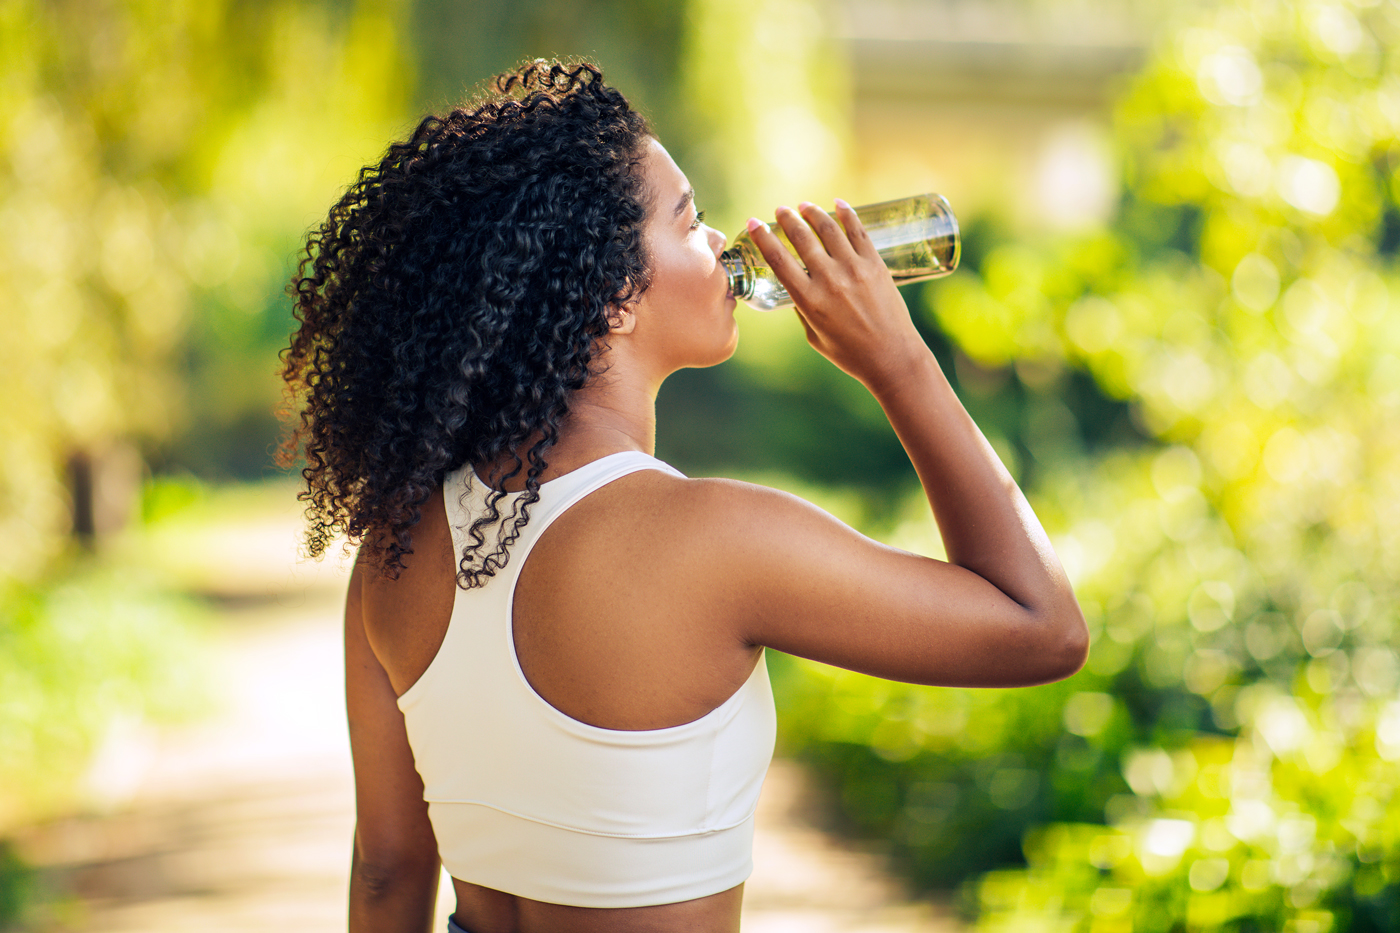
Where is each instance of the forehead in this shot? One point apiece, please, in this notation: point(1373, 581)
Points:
point(664, 178)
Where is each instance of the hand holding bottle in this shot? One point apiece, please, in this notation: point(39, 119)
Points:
point(917, 237)
point(845, 297)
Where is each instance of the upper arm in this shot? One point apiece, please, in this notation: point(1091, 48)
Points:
point(804, 583)
point(392, 825)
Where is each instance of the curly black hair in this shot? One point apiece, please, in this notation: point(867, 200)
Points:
point(454, 299)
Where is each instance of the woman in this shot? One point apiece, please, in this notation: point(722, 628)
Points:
point(554, 642)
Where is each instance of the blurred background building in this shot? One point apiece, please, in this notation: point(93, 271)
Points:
point(1006, 104)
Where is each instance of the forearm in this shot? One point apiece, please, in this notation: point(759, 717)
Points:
point(392, 897)
point(986, 523)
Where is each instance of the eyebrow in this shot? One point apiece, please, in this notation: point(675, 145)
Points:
point(685, 199)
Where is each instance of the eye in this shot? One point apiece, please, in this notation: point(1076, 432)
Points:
point(699, 219)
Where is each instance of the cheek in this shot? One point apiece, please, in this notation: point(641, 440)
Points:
point(703, 263)
point(686, 280)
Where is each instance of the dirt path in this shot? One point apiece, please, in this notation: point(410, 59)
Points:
point(243, 822)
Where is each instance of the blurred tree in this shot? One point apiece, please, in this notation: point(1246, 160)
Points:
point(315, 89)
point(637, 42)
point(93, 303)
point(157, 164)
point(152, 155)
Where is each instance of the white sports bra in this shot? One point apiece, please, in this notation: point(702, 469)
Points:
point(527, 800)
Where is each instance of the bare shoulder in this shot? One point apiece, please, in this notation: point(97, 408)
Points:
point(406, 617)
point(731, 506)
point(760, 542)
point(789, 575)
point(679, 528)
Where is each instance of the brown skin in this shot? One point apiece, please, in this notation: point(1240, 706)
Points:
point(647, 604)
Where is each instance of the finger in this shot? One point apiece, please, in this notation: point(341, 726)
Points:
point(833, 238)
point(855, 230)
point(808, 247)
point(784, 265)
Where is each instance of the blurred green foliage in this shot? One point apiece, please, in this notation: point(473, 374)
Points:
point(15, 881)
point(104, 644)
point(157, 163)
point(638, 43)
point(1229, 758)
point(767, 94)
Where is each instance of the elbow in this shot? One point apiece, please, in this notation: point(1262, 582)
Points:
point(375, 881)
point(1053, 645)
point(1066, 641)
point(1075, 650)
point(384, 877)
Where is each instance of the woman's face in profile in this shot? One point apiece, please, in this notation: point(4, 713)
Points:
point(687, 314)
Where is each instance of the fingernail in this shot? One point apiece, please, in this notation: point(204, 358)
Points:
point(753, 224)
point(783, 207)
point(804, 205)
point(842, 204)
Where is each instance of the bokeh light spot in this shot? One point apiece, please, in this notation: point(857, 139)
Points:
point(1308, 184)
point(1230, 76)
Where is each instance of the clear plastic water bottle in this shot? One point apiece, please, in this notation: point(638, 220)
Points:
point(917, 237)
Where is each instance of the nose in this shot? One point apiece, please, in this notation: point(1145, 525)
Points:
point(717, 240)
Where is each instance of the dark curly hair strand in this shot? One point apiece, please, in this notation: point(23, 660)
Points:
point(452, 302)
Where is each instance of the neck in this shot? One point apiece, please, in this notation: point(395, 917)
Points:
point(605, 417)
point(609, 415)
point(616, 411)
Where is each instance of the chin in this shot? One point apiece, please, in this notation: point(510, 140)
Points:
point(718, 355)
point(729, 351)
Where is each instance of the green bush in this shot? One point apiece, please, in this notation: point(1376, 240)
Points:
point(95, 645)
point(1227, 760)
point(15, 880)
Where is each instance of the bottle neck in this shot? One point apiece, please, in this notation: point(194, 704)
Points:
point(740, 273)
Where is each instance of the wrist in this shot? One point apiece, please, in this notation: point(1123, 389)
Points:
point(913, 365)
